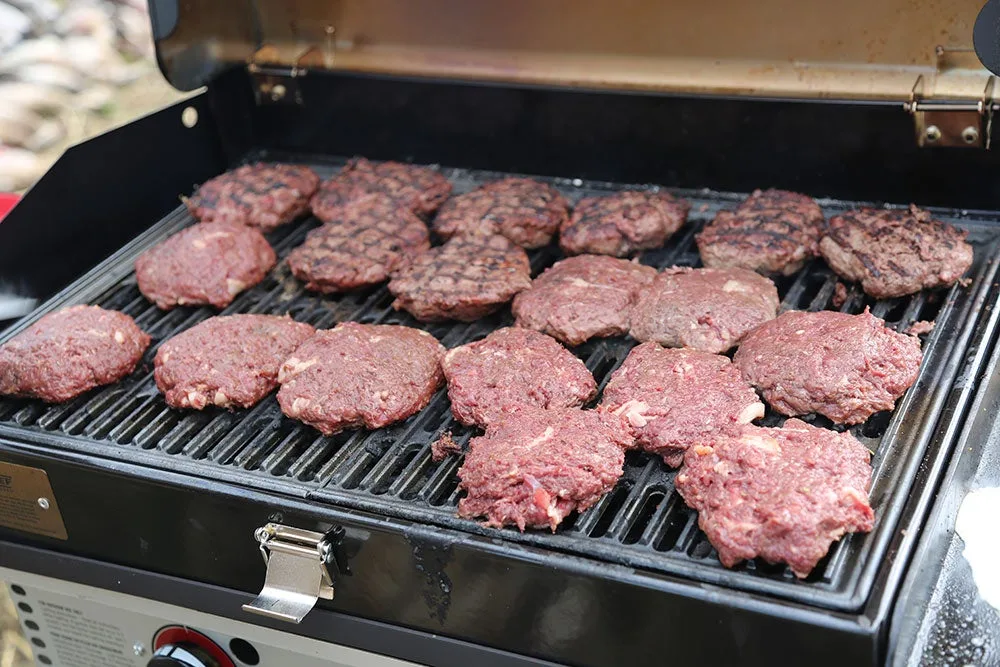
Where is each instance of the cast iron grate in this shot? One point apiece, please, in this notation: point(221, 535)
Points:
point(641, 524)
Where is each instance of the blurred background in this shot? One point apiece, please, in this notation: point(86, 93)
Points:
point(69, 69)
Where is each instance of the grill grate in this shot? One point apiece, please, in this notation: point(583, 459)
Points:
point(641, 524)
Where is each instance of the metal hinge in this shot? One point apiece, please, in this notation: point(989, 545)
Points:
point(298, 572)
point(953, 122)
point(276, 73)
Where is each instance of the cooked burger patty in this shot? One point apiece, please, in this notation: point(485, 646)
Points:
point(512, 368)
point(259, 195)
point(672, 398)
point(772, 232)
point(707, 309)
point(416, 188)
point(582, 297)
point(623, 223)
point(70, 351)
point(525, 211)
point(533, 467)
point(895, 252)
point(360, 375)
point(846, 367)
point(784, 494)
point(363, 247)
point(467, 278)
point(208, 263)
point(230, 361)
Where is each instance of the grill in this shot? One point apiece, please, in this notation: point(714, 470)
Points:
point(642, 524)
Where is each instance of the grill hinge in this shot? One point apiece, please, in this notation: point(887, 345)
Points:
point(298, 572)
point(275, 81)
point(952, 117)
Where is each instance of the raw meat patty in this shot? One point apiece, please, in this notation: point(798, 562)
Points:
point(672, 398)
point(360, 375)
point(70, 351)
point(623, 223)
point(533, 467)
point(259, 195)
point(846, 367)
point(363, 247)
point(208, 263)
point(707, 309)
point(895, 252)
point(230, 361)
point(525, 211)
point(772, 232)
point(784, 494)
point(511, 368)
point(467, 278)
point(419, 189)
point(582, 297)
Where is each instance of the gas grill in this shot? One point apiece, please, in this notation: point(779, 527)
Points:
point(128, 528)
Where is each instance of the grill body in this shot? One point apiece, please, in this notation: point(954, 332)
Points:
point(630, 581)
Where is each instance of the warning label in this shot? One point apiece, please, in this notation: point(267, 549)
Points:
point(83, 641)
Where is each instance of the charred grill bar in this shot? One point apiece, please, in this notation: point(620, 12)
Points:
point(173, 498)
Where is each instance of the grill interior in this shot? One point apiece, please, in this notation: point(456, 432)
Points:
point(641, 524)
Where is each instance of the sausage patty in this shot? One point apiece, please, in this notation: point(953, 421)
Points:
point(623, 223)
point(413, 187)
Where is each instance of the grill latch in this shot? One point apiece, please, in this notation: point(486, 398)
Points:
point(298, 572)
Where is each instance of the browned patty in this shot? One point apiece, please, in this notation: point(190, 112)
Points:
point(672, 398)
point(362, 247)
point(582, 297)
point(259, 195)
point(846, 367)
point(208, 263)
point(706, 309)
point(512, 368)
point(360, 375)
point(70, 351)
point(784, 494)
point(230, 361)
point(468, 277)
point(416, 188)
point(895, 252)
point(533, 467)
point(772, 232)
point(623, 223)
point(525, 211)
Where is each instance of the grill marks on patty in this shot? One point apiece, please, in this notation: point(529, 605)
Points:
point(259, 195)
point(623, 223)
point(525, 211)
point(895, 252)
point(416, 188)
point(772, 232)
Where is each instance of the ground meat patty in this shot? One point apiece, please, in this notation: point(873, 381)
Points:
point(533, 467)
point(582, 297)
point(419, 189)
point(259, 195)
point(672, 398)
point(623, 223)
point(363, 247)
point(707, 309)
point(772, 232)
point(360, 375)
point(525, 211)
point(467, 278)
point(511, 368)
point(70, 351)
point(846, 367)
point(205, 264)
point(895, 252)
point(230, 361)
point(784, 494)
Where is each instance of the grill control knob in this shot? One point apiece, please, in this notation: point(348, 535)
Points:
point(184, 654)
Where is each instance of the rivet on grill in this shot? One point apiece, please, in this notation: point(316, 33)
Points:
point(189, 117)
point(970, 135)
point(43, 503)
point(933, 133)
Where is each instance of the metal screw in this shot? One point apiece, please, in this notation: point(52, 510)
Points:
point(43, 503)
point(139, 649)
point(189, 117)
point(278, 92)
point(933, 133)
point(970, 135)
